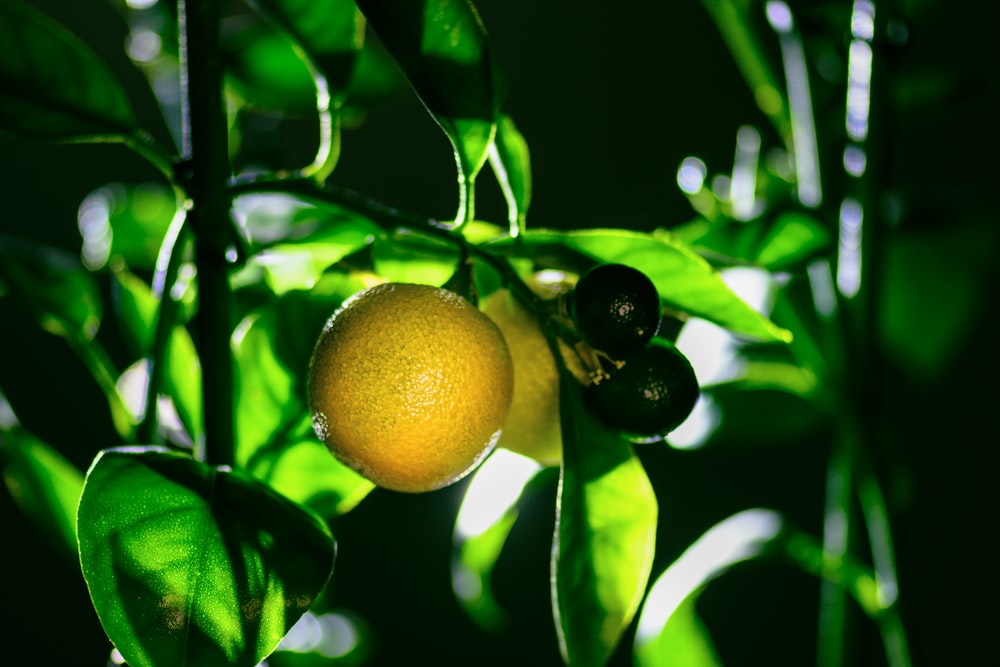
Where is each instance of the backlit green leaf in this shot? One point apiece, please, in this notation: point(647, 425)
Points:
point(441, 46)
point(52, 86)
point(266, 70)
point(488, 512)
point(790, 238)
point(684, 280)
point(43, 484)
point(136, 309)
point(511, 164)
point(190, 565)
point(668, 626)
point(272, 348)
point(604, 539)
point(332, 32)
point(52, 286)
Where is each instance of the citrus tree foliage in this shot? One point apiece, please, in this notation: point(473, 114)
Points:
point(193, 557)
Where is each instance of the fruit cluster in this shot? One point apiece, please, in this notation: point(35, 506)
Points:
point(649, 387)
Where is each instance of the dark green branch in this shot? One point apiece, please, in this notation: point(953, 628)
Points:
point(207, 172)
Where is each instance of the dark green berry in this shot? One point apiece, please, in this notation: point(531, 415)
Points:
point(649, 396)
point(616, 309)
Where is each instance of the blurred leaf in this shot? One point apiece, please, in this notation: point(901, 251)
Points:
point(332, 32)
point(511, 164)
point(266, 70)
point(126, 221)
point(43, 484)
point(934, 281)
point(668, 625)
point(741, 34)
point(604, 537)
point(485, 519)
point(790, 239)
point(684, 280)
point(52, 86)
point(52, 286)
point(782, 243)
point(791, 418)
point(376, 78)
point(272, 348)
point(192, 565)
point(688, 642)
point(441, 46)
point(136, 307)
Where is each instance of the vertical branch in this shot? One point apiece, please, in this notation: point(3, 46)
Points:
point(206, 152)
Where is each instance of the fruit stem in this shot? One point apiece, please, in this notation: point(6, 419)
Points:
point(207, 171)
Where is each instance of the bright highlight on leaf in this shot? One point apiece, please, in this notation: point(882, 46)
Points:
point(605, 534)
point(484, 521)
point(192, 565)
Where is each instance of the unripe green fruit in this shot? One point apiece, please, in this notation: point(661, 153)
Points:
point(616, 309)
point(649, 396)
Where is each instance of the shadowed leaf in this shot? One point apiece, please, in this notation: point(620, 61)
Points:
point(52, 86)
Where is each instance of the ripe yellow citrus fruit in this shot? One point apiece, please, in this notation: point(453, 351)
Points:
point(532, 427)
point(409, 385)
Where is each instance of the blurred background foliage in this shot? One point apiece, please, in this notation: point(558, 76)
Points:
point(611, 97)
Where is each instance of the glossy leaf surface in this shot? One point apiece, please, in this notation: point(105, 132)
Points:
point(189, 565)
point(442, 48)
point(511, 162)
point(331, 31)
point(43, 484)
point(52, 86)
point(604, 538)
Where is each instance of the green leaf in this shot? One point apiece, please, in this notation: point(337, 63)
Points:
point(417, 260)
point(511, 164)
point(52, 286)
point(688, 642)
point(52, 86)
point(332, 32)
point(272, 348)
point(136, 308)
point(441, 46)
point(668, 626)
point(43, 484)
point(790, 239)
point(125, 221)
point(781, 244)
point(304, 470)
point(485, 519)
point(684, 280)
point(740, 404)
point(192, 565)
point(299, 241)
point(605, 533)
point(265, 69)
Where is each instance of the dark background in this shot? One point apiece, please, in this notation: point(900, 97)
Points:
point(610, 97)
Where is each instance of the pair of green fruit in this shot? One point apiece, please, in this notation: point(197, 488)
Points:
point(650, 388)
